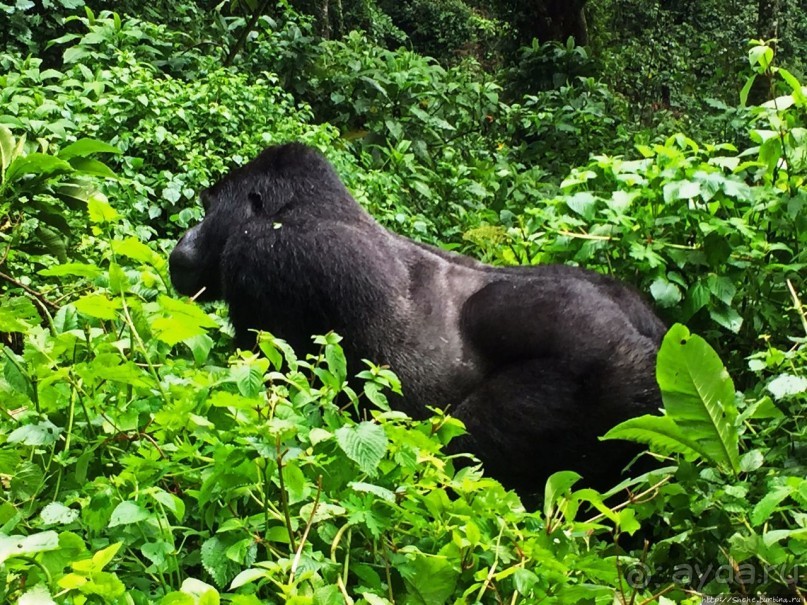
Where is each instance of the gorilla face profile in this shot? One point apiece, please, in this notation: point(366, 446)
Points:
point(536, 361)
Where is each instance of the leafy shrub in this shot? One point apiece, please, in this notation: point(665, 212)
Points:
point(143, 462)
point(549, 66)
point(443, 29)
point(37, 188)
point(27, 26)
point(176, 129)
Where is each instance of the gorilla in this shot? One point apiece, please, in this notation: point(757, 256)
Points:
point(536, 361)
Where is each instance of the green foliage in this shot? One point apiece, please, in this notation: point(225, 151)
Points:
point(443, 29)
point(698, 400)
point(37, 187)
point(27, 25)
point(748, 503)
point(186, 132)
point(134, 467)
point(549, 66)
point(713, 250)
point(143, 462)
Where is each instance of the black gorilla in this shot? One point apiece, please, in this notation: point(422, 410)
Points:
point(536, 361)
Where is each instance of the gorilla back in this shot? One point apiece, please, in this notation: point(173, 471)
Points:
point(536, 361)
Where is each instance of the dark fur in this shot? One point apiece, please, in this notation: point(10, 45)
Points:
point(536, 361)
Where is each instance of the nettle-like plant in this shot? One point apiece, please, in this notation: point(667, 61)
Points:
point(143, 465)
point(38, 188)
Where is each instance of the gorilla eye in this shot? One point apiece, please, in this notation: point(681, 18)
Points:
point(255, 201)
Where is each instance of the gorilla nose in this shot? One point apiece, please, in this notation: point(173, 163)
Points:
point(186, 265)
point(182, 256)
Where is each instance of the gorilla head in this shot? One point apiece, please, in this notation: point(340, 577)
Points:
point(247, 198)
point(536, 361)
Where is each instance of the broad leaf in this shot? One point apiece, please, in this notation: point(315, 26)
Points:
point(365, 444)
point(11, 546)
point(127, 513)
point(85, 147)
point(77, 269)
point(430, 579)
point(38, 164)
point(100, 210)
point(698, 395)
point(92, 167)
point(660, 433)
point(97, 305)
point(557, 485)
point(6, 150)
point(17, 314)
point(185, 320)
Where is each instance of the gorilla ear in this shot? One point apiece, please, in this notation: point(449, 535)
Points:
point(256, 201)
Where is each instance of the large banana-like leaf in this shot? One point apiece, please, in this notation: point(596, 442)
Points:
point(698, 395)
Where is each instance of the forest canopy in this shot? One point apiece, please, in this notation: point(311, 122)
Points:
point(145, 459)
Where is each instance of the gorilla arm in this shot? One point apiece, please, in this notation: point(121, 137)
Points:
point(564, 366)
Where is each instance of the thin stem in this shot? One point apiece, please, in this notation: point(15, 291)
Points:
point(284, 496)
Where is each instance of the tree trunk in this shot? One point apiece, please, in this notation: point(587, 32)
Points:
point(547, 20)
point(768, 19)
point(324, 20)
point(767, 29)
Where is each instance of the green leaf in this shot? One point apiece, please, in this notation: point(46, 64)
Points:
point(6, 150)
point(764, 508)
point(337, 365)
point(15, 375)
point(126, 373)
point(751, 461)
point(11, 546)
point(99, 560)
point(372, 599)
point(787, 385)
point(17, 314)
point(185, 321)
point(127, 513)
point(74, 195)
point(157, 552)
point(34, 435)
point(665, 293)
point(747, 89)
point(135, 249)
point(99, 209)
point(216, 562)
point(524, 580)
point(376, 490)
point(760, 57)
point(681, 190)
point(53, 241)
point(37, 595)
point(74, 54)
point(698, 395)
point(249, 379)
point(40, 165)
point(92, 167)
point(429, 579)
point(57, 513)
point(85, 147)
point(248, 576)
point(583, 203)
point(97, 305)
point(77, 269)
point(660, 433)
point(727, 317)
point(200, 347)
point(365, 444)
point(118, 281)
point(558, 485)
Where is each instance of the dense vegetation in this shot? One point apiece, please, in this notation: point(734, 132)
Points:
point(143, 460)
